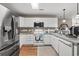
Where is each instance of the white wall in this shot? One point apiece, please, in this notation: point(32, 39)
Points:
point(29, 22)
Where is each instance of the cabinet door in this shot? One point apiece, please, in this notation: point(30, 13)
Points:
point(64, 49)
point(26, 39)
point(26, 22)
point(50, 22)
point(29, 39)
point(52, 40)
point(55, 43)
point(47, 39)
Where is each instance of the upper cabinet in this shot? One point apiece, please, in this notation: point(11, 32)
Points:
point(26, 22)
point(29, 22)
point(50, 22)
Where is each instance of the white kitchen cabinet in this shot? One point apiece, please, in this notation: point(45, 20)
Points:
point(26, 22)
point(62, 47)
point(27, 39)
point(55, 43)
point(65, 48)
point(49, 22)
point(29, 22)
point(47, 39)
point(53, 40)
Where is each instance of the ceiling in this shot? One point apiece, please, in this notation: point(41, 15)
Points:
point(49, 9)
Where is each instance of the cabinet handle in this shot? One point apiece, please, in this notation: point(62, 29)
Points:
point(66, 44)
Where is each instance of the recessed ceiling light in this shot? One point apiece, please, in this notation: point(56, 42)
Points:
point(35, 5)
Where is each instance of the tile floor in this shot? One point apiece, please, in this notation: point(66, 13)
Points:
point(46, 51)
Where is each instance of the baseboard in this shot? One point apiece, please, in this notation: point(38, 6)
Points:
point(42, 45)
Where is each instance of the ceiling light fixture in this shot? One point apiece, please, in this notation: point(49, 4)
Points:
point(35, 5)
point(64, 20)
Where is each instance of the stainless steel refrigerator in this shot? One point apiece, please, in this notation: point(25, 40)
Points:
point(9, 39)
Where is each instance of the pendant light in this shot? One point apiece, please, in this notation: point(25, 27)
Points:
point(64, 20)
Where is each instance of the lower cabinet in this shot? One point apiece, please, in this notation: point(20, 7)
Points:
point(55, 43)
point(62, 47)
point(65, 48)
point(47, 39)
point(27, 39)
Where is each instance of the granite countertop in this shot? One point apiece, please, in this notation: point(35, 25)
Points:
point(72, 40)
